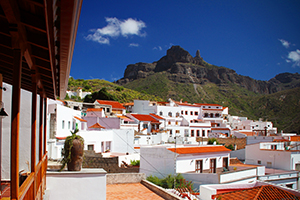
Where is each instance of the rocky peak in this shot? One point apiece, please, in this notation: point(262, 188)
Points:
point(177, 54)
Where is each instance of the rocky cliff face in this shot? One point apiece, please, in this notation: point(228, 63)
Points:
point(182, 67)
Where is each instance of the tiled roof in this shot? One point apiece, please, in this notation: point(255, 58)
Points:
point(156, 116)
point(97, 125)
point(220, 129)
point(61, 138)
point(114, 104)
point(94, 109)
point(207, 104)
point(191, 150)
point(128, 104)
point(82, 120)
point(257, 193)
point(295, 138)
point(248, 133)
point(147, 118)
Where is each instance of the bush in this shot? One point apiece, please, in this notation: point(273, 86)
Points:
point(168, 182)
point(135, 162)
point(231, 147)
point(212, 140)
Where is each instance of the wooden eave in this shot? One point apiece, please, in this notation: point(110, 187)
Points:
point(45, 31)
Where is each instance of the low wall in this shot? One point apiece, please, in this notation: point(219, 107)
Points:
point(160, 191)
point(124, 178)
point(84, 184)
point(110, 164)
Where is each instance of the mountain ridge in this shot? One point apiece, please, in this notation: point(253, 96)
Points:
point(184, 68)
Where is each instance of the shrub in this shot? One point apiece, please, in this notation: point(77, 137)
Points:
point(135, 162)
point(212, 140)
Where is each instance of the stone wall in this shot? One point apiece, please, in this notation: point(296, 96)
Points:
point(117, 178)
point(110, 165)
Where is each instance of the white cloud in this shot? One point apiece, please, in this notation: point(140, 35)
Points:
point(115, 28)
point(157, 48)
point(294, 56)
point(285, 43)
point(134, 45)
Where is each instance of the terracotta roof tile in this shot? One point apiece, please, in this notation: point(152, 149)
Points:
point(295, 138)
point(191, 150)
point(156, 116)
point(94, 109)
point(114, 104)
point(257, 193)
point(82, 120)
point(224, 129)
point(97, 125)
point(147, 118)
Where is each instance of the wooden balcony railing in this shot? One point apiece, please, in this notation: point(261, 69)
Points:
point(35, 184)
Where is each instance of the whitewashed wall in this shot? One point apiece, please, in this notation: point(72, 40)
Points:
point(25, 131)
point(156, 161)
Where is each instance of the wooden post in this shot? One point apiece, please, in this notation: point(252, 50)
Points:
point(45, 125)
point(41, 127)
point(33, 129)
point(15, 124)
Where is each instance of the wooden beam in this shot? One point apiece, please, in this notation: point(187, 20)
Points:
point(12, 14)
point(50, 35)
point(41, 127)
point(15, 125)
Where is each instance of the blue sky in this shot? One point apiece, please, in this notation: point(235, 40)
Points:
point(255, 38)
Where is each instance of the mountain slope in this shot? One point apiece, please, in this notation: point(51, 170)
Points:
point(180, 76)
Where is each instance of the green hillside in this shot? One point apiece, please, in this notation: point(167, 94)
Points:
point(108, 90)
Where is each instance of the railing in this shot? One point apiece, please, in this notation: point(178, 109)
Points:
point(35, 184)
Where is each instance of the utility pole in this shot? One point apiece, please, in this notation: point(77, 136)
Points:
point(175, 164)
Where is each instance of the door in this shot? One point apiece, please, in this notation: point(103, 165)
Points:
point(225, 163)
point(213, 167)
point(199, 164)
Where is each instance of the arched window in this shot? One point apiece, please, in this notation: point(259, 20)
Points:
point(161, 113)
point(177, 114)
point(170, 114)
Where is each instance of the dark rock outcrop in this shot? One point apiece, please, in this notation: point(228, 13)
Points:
point(184, 68)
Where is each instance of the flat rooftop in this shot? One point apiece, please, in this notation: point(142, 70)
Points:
point(133, 191)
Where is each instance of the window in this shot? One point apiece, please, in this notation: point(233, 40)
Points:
point(170, 114)
point(176, 122)
point(107, 110)
point(259, 162)
point(217, 107)
point(211, 115)
point(274, 147)
point(203, 133)
point(203, 106)
point(289, 185)
point(192, 133)
point(196, 113)
point(191, 121)
point(177, 131)
point(198, 133)
point(177, 114)
point(186, 112)
point(199, 164)
point(269, 164)
point(217, 115)
point(182, 112)
point(90, 147)
point(191, 112)
point(169, 122)
point(208, 106)
point(160, 113)
point(69, 125)
point(145, 125)
point(205, 114)
point(63, 124)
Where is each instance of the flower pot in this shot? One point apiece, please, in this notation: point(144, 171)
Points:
point(76, 156)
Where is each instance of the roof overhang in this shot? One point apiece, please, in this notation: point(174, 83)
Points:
point(45, 32)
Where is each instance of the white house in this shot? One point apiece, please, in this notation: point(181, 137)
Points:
point(163, 160)
point(114, 140)
point(272, 155)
